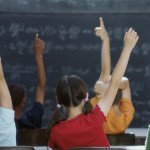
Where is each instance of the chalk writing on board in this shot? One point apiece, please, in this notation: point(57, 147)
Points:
point(138, 87)
point(73, 48)
point(74, 6)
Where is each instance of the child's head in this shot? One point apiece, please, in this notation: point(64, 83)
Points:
point(17, 93)
point(70, 91)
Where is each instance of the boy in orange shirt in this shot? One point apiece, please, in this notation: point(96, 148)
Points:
point(121, 113)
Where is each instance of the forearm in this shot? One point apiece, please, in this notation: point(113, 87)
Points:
point(120, 68)
point(40, 71)
point(105, 61)
point(41, 85)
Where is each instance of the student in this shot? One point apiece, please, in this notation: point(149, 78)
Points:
point(7, 124)
point(32, 118)
point(103, 82)
point(122, 110)
point(82, 126)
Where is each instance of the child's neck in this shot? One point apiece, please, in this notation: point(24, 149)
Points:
point(74, 111)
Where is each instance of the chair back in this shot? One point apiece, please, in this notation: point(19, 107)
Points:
point(17, 148)
point(32, 137)
point(95, 148)
point(121, 139)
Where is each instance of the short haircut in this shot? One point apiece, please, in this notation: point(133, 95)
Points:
point(17, 93)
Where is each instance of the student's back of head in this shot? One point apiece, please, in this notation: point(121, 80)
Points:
point(70, 91)
point(17, 93)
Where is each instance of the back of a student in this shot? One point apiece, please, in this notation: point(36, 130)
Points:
point(81, 125)
point(81, 131)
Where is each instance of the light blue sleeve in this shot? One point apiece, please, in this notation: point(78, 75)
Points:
point(7, 127)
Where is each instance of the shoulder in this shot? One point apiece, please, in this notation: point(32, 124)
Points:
point(37, 106)
point(97, 114)
point(126, 103)
point(7, 127)
point(5, 113)
point(94, 101)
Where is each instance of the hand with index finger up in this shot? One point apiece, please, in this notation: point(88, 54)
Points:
point(101, 31)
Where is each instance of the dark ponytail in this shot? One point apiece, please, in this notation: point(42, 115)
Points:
point(57, 116)
point(87, 107)
point(70, 91)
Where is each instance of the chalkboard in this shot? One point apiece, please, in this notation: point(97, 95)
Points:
point(74, 5)
point(73, 48)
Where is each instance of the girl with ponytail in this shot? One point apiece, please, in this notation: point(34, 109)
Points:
point(81, 125)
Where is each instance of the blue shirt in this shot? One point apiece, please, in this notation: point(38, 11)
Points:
point(31, 119)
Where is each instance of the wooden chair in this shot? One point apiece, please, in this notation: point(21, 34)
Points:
point(121, 139)
point(32, 137)
point(17, 148)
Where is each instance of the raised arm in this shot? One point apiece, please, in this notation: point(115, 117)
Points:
point(130, 40)
point(5, 99)
point(105, 52)
point(125, 87)
point(39, 46)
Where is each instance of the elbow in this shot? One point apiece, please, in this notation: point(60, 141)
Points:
point(125, 80)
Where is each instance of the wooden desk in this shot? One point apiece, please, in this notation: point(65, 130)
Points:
point(140, 135)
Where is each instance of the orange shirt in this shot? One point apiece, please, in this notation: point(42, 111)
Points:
point(117, 123)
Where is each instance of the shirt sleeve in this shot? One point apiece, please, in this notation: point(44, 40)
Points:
point(118, 123)
point(7, 127)
point(97, 115)
point(33, 117)
point(7, 114)
point(94, 101)
point(127, 109)
point(51, 142)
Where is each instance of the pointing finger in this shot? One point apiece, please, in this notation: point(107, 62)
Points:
point(101, 23)
point(36, 37)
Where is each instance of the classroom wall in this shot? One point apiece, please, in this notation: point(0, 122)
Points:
point(67, 27)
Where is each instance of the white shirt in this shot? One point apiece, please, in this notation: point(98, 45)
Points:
point(7, 127)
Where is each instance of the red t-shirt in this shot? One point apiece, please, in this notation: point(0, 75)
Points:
point(81, 131)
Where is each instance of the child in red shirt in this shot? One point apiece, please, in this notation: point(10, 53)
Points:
point(81, 125)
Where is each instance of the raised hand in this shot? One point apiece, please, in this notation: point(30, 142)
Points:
point(101, 31)
point(39, 46)
point(130, 39)
point(105, 52)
